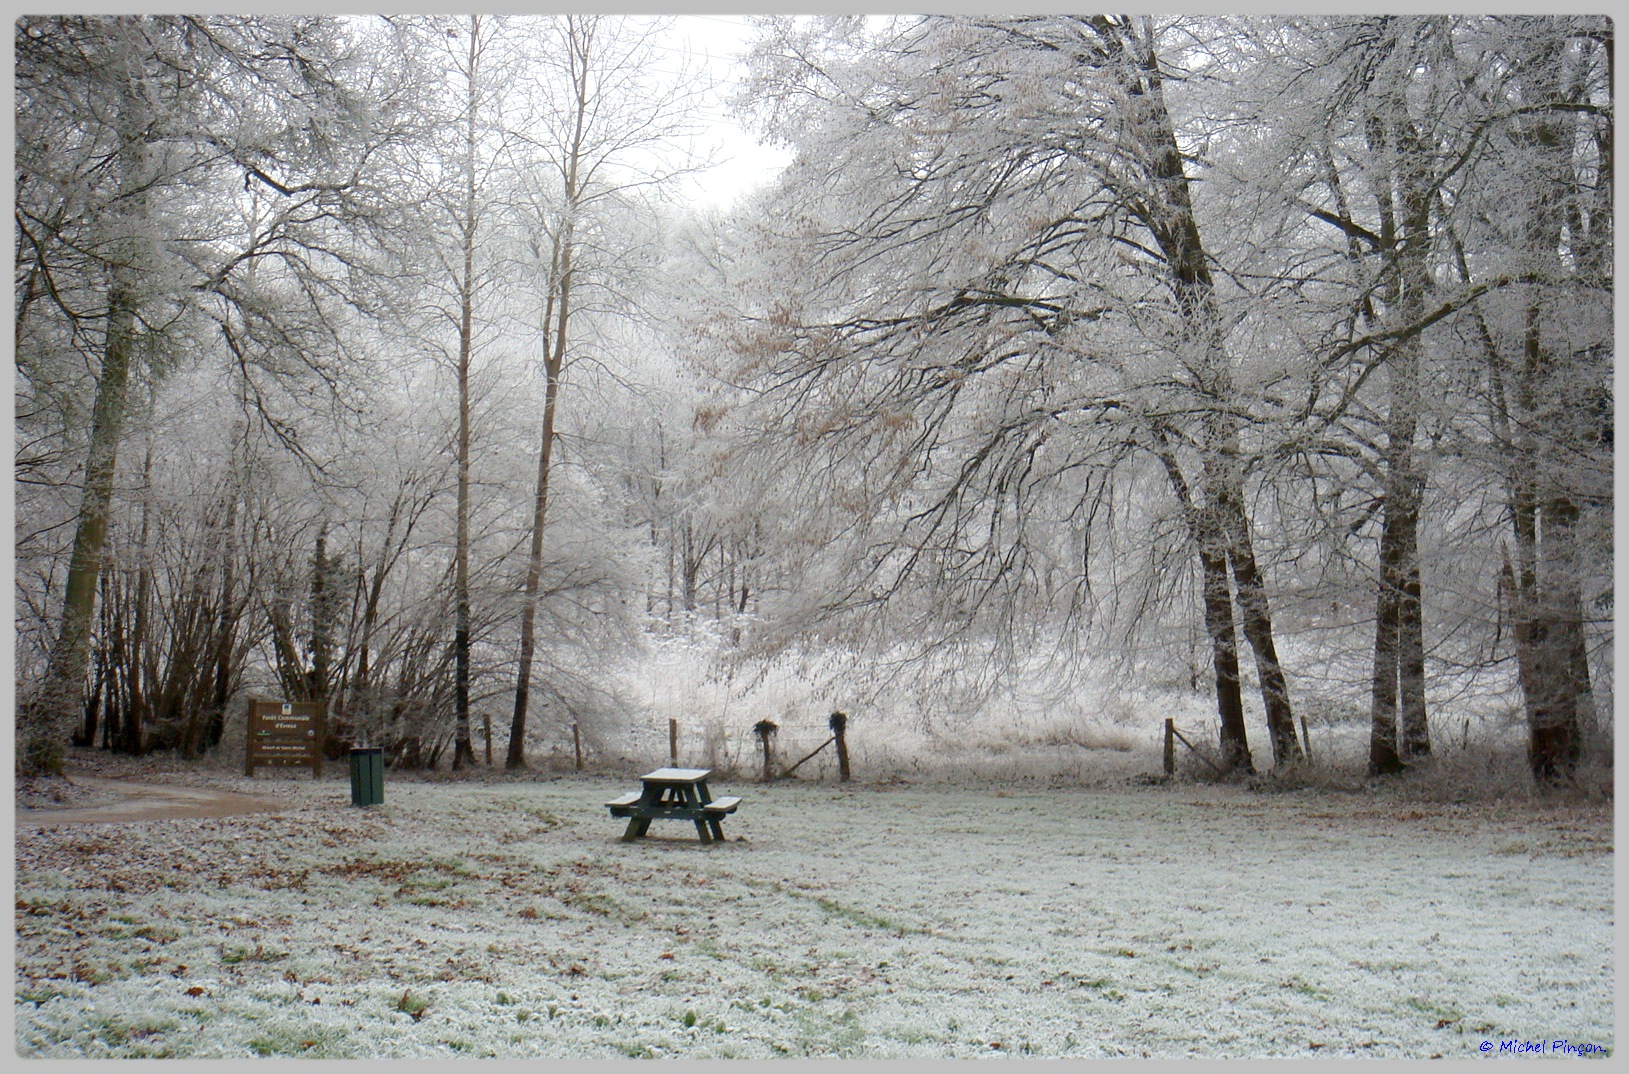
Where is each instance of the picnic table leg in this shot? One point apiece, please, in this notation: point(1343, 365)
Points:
point(638, 826)
point(701, 830)
point(717, 824)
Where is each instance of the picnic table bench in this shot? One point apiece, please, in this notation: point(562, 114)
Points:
point(674, 794)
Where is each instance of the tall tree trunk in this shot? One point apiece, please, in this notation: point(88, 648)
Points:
point(558, 305)
point(1384, 757)
point(48, 717)
point(1224, 658)
point(1556, 634)
point(1555, 388)
point(106, 659)
point(463, 752)
point(1399, 729)
point(323, 608)
point(1579, 660)
point(226, 667)
point(1205, 531)
point(1169, 216)
point(516, 756)
point(86, 737)
point(1398, 726)
point(138, 648)
point(1416, 728)
point(1258, 631)
point(689, 567)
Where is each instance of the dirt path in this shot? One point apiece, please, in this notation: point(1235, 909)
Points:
point(143, 801)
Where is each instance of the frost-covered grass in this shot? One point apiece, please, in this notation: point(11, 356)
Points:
point(936, 920)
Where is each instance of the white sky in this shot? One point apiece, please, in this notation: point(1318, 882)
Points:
point(743, 164)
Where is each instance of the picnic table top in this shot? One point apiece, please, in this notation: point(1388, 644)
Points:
point(677, 775)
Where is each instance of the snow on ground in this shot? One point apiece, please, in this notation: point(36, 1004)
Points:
point(933, 920)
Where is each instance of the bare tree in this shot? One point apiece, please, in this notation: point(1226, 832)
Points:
point(1424, 122)
point(1549, 375)
point(1023, 273)
point(473, 48)
point(131, 242)
point(117, 60)
point(600, 120)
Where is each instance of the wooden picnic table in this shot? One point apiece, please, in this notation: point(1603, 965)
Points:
point(674, 794)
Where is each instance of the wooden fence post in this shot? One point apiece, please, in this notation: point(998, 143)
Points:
point(764, 729)
point(577, 746)
point(838, 723)
point(486, 724)
point(1170, 747)
point(673, 742)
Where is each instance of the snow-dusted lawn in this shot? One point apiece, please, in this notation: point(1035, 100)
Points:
point(506, 919)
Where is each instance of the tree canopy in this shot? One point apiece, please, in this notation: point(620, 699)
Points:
point(375, 361)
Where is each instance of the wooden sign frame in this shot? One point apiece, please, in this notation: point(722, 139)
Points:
point(284, 734)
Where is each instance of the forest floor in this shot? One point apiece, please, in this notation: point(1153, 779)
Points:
point(502, 916)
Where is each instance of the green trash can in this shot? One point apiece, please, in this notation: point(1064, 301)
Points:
point(368, 775)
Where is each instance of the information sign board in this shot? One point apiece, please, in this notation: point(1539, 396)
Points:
point(284, 734)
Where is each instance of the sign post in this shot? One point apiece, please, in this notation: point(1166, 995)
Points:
point(284, 734)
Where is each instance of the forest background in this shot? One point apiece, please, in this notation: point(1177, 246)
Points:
point(1074, 370)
